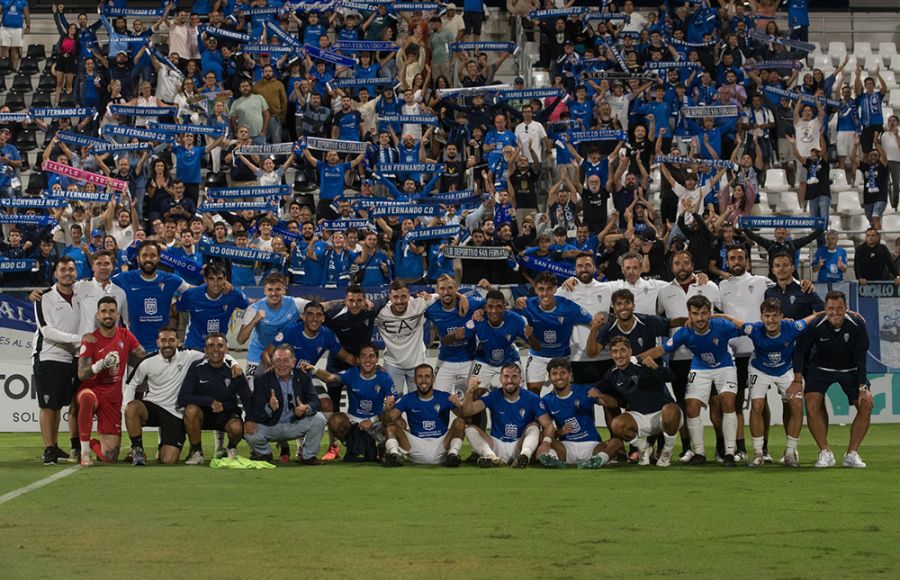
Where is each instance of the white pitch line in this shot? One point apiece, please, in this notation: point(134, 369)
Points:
point(37, 484)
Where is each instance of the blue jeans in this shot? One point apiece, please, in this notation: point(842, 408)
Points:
point(259, 139)
point(313, 428)
point(819, 207)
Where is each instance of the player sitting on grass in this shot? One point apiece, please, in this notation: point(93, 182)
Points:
point(650, 407)
point(210, 398)
point(432, 438)
point(572, 410)
point(515, 415)
point(104, 356)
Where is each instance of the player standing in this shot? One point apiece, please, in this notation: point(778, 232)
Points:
point(209, 306)
point(495, 331)
point(101, 367)
point(454, 362)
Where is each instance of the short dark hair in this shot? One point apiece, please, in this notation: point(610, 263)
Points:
point(699, 302)
point(213, 269)
point(617, 340)
point(166, 329)
point(397, 285)
point(545, 278)
point(423, 366)
point(559, 363)
point(107, 300)
point(274, 278)
point(836, 295)
point(355, 289)
point(495, 295)
point(313, 305)
point(632, 256)
point(215, 335)
point(622, 294)
point(770, 305)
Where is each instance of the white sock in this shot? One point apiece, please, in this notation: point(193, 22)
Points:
point(455, 445)
point(603, 455)
point(695, 430)
point(640, 443)
point(392, 447)
point(552, 453)
point(758, 445)
point(479, 445)
point(530, 440)
point(669, 441)
point(729, 431)
point(85, 448)
point(792, 443)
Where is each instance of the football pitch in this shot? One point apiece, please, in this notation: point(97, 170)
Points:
point(366, 521)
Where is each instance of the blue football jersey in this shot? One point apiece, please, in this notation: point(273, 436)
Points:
point(447, 322)
point(148, 302)
point(710, 349)
point(774, 355)
point(276, 319)
point(427, 418)
point(495, 346)
point(365, 397)
point(553, 328)
point(509, 418)
point(575, 410)
point(208, 315)
point(307, 349)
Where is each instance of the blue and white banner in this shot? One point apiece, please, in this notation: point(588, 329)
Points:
point(251, 191)
point(599, 75)
point(225, 33)
point(673, 40)
point(181, 128)
point(135, 111)
point(712, 111)
point(818, 223)
point(356, 83)
point(163, 59)
point(8, 265)
point(329, 56)
point(807, 99)
point(322, 144)
point(554, 13)
point(435, 233)
point(598, 135)
point(476, 252)
point(496, 46)
point(786, 42)
point(100, 145)
point(188, 269)
point(539, 264)
point(344, 224)
point(288, 237)
point(33, 202)
point(137, 133)
point(61, 112)
point(13, 117)
point(306, 7)
point(608, 16)
point(233, 206)
point(667, 64)
point(775, 64)
point(611, 45)
point(132, 12)
point(362, 6)
point(284, 37)
point(387, 168)
point(449, 196)
point(268, 49)
point(270, 149)
point(415, 6)
point(528, 94)
point(472, 91)
point(366, 45)
point(41, 220)
point(382, 209)
point(71, 195)
point(409, 119)
point(261, 11)
point(717, 163)
point(235, 253)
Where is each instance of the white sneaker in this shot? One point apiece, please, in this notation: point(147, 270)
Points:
point(232, 454)
point(853, 459)
point(826, 459)
point(758, 461)
point(665, 458)
point(196, 458)
point(740, 456)
point(686, 457)
point(791, 458)
point(644, 458)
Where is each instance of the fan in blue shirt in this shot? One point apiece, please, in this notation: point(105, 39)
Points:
point(332, 173)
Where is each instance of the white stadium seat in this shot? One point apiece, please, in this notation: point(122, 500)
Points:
point(839, 180)
point(834, 222)
point(820, 60)
point(890, 79)
point(886, 51)
point(891, 223)
point(788, 204)
point(894, 98)
point(863, 52)
point(848, 203)
point(764, 204)
point(895, 63)
point(837, 51)
point(776, 181)
point(857, 224)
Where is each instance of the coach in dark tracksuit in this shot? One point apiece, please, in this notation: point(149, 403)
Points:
point(285, 406)
point(834, 350)
point(210, 395)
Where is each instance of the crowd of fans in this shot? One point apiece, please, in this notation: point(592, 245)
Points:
point(713, 96)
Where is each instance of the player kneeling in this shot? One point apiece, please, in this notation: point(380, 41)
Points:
point(515, 415)
point(642, 391)
point(432, 438)
point(572, 410)
point(101, 366)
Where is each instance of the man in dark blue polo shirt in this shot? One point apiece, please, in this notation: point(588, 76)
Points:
point(795, 302)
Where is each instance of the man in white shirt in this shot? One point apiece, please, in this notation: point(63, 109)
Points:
point(890, 142)
point(636, 22)
point(531, 136)
point(807, 129)
point(452, 21)
point(672, 303)
point(183, 36)
point(742, 295)
point(89, 292)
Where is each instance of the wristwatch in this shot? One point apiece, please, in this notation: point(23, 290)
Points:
point(865, 388)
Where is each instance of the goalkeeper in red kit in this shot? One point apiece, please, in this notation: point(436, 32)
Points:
point(104, 355)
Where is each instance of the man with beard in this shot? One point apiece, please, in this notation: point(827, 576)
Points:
point(102, 361)
point(594, 199)
point(641, 330)
point(149, 292)
point(455, 167)
point(304, 271)
point(250, 111)
point(781, 244)
point(672, 303)
point(432, 438)
point(456, 352)
point(572, 410)
point(209, 306)
point(518, 418)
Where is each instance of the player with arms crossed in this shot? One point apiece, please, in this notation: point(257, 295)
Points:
point(650, 407)
point(101, 368)
point(572, 409)
point(515, 416)
point(432, 438)
point(711, 365)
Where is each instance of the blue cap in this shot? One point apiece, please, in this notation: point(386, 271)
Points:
point(96, 233)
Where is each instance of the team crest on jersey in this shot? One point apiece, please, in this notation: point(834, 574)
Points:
point(150, 306)
point(640, 341)
point(846, 336)
point(470, 324)
point(550, 336)
point(429, 425)
point(508, 338)
point(377, 389)
point(224, 308)
point(750, 287)
point(437, 408)
point(227, 383)
point(561, 319)
point(793, 299)
point(121, 344)
point(279, 337)
point(715, 341)
point(646, 290)
point(162, 286)
point(522, 413)
point(212, 325)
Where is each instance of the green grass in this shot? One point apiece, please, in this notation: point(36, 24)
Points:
point(355, 521)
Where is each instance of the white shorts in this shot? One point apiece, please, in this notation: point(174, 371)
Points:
point(451, 377)
point(429, 451)
point(845, 143)
point(579, 450)
point(760, 382)
point(700, 383)
point(506, 450)
point(11, 37)
point(536, 369)
point(651, 424)
point(489, 375)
